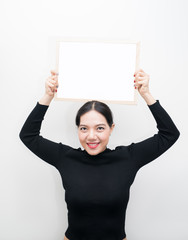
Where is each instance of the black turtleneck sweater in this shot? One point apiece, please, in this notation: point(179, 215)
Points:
point(97, 187)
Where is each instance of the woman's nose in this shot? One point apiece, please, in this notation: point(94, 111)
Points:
point(91, 135)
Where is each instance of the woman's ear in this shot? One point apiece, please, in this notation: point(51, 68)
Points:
point(112, 127)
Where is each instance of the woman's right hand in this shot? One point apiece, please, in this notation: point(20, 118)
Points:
point(51, 84)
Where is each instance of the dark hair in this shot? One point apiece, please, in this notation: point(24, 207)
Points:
point(97, 106)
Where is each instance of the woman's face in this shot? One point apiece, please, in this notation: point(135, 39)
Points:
point(94, 132)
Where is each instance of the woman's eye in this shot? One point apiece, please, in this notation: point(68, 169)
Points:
point(100, 128)
point(83, 129)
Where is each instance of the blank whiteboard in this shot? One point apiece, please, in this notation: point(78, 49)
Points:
point(97, 70)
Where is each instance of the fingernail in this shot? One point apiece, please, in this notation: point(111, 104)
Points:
point(134, 75)
point(135, 87)
point(56, 90)
point(134, 81)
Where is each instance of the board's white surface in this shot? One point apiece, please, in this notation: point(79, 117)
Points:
point(96, 70)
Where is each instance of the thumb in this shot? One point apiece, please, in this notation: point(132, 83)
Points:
point(54, 72)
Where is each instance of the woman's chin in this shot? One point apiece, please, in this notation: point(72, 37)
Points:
point(94, 151)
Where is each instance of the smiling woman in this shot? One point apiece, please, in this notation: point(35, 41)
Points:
point(95, 125)
point(97, 179)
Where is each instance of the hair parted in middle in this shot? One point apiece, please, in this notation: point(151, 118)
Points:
point(98, 106)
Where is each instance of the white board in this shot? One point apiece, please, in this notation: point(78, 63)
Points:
point(96, 70)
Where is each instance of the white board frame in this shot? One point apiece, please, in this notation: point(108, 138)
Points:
point(92, 42)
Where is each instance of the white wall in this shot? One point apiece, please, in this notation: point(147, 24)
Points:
point(32, 203)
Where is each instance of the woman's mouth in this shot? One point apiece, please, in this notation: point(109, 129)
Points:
point(93, 145)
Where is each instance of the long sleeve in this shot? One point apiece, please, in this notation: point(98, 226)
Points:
point(145, 151)
point(30, 136)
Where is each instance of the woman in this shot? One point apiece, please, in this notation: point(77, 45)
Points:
point(97, 179)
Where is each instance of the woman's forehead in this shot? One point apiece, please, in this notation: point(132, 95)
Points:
point(92, 118)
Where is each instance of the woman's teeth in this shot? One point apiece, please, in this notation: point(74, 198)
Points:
point(92, 145)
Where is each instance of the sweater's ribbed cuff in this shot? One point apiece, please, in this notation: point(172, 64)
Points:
point(41, 109)
point(154, 105)
point(41, 105)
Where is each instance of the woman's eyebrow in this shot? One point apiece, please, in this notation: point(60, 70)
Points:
point(100, 124)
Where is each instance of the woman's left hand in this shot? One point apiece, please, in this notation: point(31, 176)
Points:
point(141, 82)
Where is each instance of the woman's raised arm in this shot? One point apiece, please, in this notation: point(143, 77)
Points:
point(145, 151)
point(30, 132)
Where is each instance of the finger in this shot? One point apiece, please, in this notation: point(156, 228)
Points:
point(139, 70)
point(52, 81)
point(135, 73)
point(52, 90)
point(137, 84)
point(141, 78)
point(140, 74)
point(49, 91)
point(141, 82)
point(51, 84)
point(54, 77)
point(56, 84)
point(54, 72)
point(55, 80)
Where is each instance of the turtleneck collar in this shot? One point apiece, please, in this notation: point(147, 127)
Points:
point(99, 158)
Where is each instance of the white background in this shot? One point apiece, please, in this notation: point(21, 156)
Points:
point(32, 203)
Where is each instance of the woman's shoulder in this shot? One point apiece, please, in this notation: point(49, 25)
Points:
point(122, 148)
point(69, 149)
